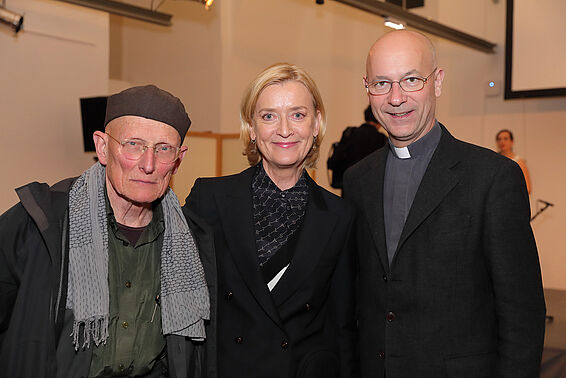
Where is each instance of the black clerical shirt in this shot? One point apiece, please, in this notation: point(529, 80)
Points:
point(404, 171)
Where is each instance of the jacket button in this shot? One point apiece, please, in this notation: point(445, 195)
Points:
point(381, 355)
point(125, 325)
point(384, 277)
point(239, 340)
point(284, 344)
point(125, 243)
point(128, 284)
point(390, 316)
point(308, 307)
point(229, 295)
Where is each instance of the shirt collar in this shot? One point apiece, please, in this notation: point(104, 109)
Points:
point(421, 147)
point(152, 231)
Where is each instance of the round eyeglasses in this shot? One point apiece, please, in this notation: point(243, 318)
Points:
point(408, 84)
point(133, 149)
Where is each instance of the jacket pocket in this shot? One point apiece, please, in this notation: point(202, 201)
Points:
point(480, 365)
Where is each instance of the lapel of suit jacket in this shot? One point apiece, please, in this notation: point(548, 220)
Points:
point(372, 192)
point(314, 234)
point(235, 209)
point(436, 183)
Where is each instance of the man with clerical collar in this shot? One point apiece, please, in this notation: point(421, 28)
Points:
point(104, 275)
point(450, 282)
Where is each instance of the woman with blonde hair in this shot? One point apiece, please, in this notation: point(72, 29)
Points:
point(285, 266)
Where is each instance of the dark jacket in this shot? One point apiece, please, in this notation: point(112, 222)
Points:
point(305, 327)
point(355, 144)
point(463, 295)
point(33, 287)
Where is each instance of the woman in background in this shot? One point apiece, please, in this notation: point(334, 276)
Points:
point(504, 139)
point(285, 269)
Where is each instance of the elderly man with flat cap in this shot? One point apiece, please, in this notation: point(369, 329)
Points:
point(104, 275)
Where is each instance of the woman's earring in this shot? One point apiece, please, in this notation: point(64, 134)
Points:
point(314, 142)
point(253, 147)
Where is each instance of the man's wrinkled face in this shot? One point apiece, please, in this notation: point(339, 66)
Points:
point(144, 180)
point(407, 116)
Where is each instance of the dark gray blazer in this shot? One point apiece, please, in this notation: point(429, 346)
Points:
point(463, 295)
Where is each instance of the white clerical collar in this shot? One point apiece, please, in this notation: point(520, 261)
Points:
point(402, 152)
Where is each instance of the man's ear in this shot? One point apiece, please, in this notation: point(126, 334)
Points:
point(182, 153)
point(439, 78)
point(101, 145)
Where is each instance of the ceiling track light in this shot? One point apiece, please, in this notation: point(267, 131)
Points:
point(423, 24)
point(132, 11)
point(12, 19)
point(126, 10)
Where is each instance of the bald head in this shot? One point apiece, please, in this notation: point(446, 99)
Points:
point(404, 62)
point(404, 40)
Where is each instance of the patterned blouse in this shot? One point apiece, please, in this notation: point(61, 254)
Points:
point(278, 214)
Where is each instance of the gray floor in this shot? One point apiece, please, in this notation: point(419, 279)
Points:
point(554, 355)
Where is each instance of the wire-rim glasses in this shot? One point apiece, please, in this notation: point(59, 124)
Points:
point(133, 149)
point(408, 84)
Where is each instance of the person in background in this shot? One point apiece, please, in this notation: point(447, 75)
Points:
point(504, 139)
point(355, 144)
point(285, 267)
point(101, 275)
point(449, 282)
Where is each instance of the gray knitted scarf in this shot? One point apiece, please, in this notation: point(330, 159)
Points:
point(184, 294)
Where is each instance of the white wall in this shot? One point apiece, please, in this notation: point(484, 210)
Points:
point(59, 56)
point(184, 59)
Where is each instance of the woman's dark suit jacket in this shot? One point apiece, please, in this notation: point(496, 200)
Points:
point(306, 326)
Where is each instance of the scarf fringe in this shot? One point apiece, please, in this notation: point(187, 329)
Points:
point(95, 329)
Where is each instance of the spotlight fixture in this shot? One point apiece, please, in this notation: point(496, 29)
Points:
point(393, 23)
point(207, 3)
point(12, 19)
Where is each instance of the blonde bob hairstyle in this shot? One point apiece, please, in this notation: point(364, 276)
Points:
point(277, 74)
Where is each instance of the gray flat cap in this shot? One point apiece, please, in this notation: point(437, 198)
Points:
point(148, 101)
